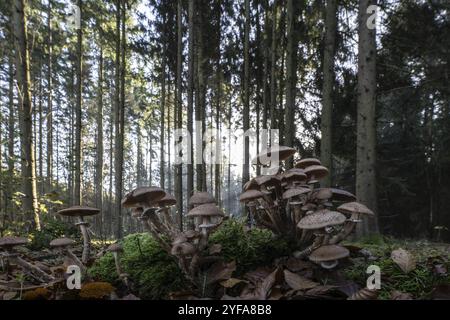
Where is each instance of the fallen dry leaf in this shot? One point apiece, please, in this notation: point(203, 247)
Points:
point(230, 283)
point(404, 260)
point(9, 295)
point(220, 271)
point(319, 290)
point(276, 277)
point(215, 249)
point(398, 295)
point(297, 282)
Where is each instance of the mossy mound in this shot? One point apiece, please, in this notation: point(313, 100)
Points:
point(153, 273)
point(249, 248)
point(419, 283)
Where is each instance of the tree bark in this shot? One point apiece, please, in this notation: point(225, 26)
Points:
point(50, 100)
point(30, 201)
point(326, 123)
point(179, 120)
point(246, 93)
point(366, 190)
point(78, 114)
point(291, 77)
point(190, 167)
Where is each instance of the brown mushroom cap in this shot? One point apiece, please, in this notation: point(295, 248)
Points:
point(321, 219)
point(115, 247)
point(316, 172)
point(267, 180)
point(79, 211)
point(306, 162)
point(143, 195)
point(205, 210)
point(294, 174)
point(329, 253)
point(61, 242)
point(322, 194)
point(290, 193)
point(167, 201)
point(282, 152)
point(191, 234)
point(10, 242)
point(251, 185)
point(355, 207)
point(250, 195)
point(199, 198)
point(342, 195)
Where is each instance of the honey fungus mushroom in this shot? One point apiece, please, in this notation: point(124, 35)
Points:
point(279, 153)
point(81, 212)
point(328, 255)
point(116, 249)
point(306, 162)
point(63, 245)
point(315, 173)
point(200, 198)
point(205, 212)
point(250, 198)
point(8, 244)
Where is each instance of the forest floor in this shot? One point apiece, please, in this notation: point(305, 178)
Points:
point(256, 267)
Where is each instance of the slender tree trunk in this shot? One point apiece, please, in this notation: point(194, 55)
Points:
point(217, 169)
point(30, 202)
point(190, 167)
point(99, 142)
point(326, 150)
point(246, 92)
point(162, 167)
point(366, 190)
point(179, 119)
point(273, 68)
point(50, 100)
point(120, 116)
point(11, 135)
point(291, 76)
point(40, 130)
point(78, 124)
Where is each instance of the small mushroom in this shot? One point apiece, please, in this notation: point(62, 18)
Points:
point(315, 173)
point(80, 212)
point(306, 162)
point(205, 212)
point(279, 153)
point(250, 198)
point(327, 256)
point(164, 204)
point(116, 249)
point(8, 244)
point(63, 246)
point(200, 198)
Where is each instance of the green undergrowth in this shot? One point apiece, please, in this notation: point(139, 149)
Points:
point(154, 273)
point(249, 248)
point(418, 282)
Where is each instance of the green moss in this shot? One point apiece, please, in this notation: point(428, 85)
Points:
point(152, 271)
point(249, 249)
point(51, 229)
point(419, 282)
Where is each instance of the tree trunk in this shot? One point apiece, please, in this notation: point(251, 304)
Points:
point(218, 152)
point(11, 127)
point(190, 167)
point(291, 77)
point(50, 100)
point(179, 120)
point(162, 168)
point(273, 66)
point(246, 93)
point(30, 202)
point(119, 121)
point(366, 190)
point(327, 90)
point(78, 125)
point(99, 142)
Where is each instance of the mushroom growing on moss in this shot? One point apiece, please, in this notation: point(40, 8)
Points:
point(327, 256)
point(116, 249)
point(205, 212)
point(81, 212)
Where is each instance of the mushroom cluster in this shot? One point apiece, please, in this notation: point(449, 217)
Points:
point(291, 203)
point(151, 205)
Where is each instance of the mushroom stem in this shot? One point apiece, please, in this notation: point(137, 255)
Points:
point(155, 234)
point(86, 240)
point(349, 226)
point(167, 217)
point(72, 256)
